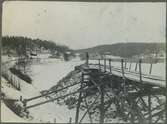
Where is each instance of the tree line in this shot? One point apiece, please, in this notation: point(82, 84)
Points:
point(19, 42)
point(126, 49)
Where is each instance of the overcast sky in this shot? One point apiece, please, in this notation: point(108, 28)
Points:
point(83, 25)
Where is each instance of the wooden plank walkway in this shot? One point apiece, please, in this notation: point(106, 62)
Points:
point(136, 76)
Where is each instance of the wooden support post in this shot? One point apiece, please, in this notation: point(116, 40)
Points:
point(24, 104)
point(90, 117)
point(149, 108)
point(99, 65)
point(14, 83)
point(130, 66)
point(110, 64)
point(166, 109)
point(132, 112)
point(79, 101)
point(102, 112)
point(87, 58)
point(10, 80)
point(123, 75)
point(19, 88)
point(70, 120)
point(21, 98)
point(122, 67)
point(125, 64)
point(140, 71)
point(136, 67)
point(55, 120)
point(88, 109)
point(104, 65)
point(150, 68)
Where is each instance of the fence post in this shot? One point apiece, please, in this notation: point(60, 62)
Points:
point(70, 120)
point(150, 68)
point(104, 65)
point(130, 66)
point(87, 58)
point(55, 120)
point(99, 65)
point(122, 67)
point(140, 70)
point(123, 75)
point(125, 64)
point(110, 64)
point(136, 67)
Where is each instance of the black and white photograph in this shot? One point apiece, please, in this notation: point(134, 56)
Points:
point(83, 62)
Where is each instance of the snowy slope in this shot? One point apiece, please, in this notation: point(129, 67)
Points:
point(8, 116)
point(44, 80)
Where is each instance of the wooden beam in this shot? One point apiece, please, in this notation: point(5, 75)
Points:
point(130, 66)
point(90, 117)
point(110, 65)
point(79, 101)
point(149, 108)
point(87, 58)
point(55, 91)
point(99, 65)
point(136, 66)
point(140, 71)
point(152, 60)
point(75, 92)
point(146, 92)
point(104, 65)
point(89, 109)
point(102, 112)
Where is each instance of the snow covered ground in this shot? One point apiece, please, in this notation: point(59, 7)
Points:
point(8, 116)
point(45, 75)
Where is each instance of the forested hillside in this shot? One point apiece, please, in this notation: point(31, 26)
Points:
point(14, 43)
point(127, 49)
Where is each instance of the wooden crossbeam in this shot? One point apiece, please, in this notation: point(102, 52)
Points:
point(102, 112)
point(145, 92)
point(55, 91)
point(51, 100)
point(89, 108)
point(158, 113)
point(79, 102)
point(90, 117)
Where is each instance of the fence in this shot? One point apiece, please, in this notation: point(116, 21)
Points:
point(12, 79)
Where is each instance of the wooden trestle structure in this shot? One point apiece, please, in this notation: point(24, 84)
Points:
point(133, 97)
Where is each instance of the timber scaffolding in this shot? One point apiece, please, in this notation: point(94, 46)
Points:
point(133, 93)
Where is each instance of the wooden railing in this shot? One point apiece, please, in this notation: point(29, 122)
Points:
point(107, 66)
